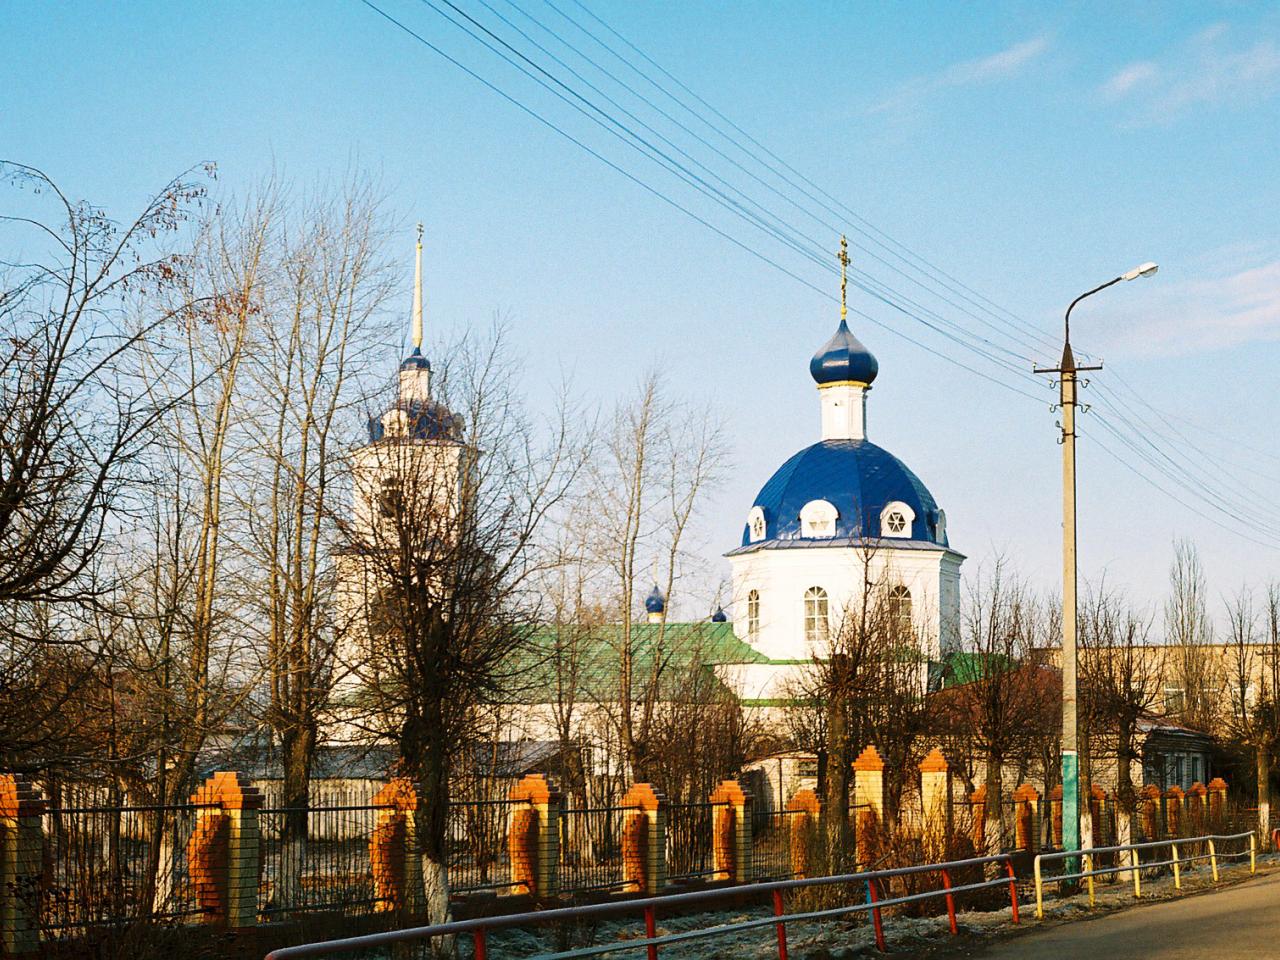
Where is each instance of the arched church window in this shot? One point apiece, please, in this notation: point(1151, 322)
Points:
point(900, 608)
point(817, 627)
point(753, 614)
point(390, 498)
point(755, 524)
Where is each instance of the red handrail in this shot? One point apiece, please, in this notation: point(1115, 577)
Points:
point(648, 907)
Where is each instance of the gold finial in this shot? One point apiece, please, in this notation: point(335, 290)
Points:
point(844, 276)
point(417, 295)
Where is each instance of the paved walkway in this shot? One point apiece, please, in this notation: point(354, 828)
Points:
point(1233, 923)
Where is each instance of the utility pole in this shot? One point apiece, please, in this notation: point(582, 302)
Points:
point(1069, 386)
point(1068, 381)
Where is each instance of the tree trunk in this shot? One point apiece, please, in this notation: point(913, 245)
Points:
point(298, 747)
point(1084, 797)
point(1263, 756)
point(1124, 795)
point(993, 828)
point(428, 754)
point(839, 763)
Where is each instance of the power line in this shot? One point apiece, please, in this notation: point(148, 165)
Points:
point(676, 204)
point(788, 235)
point(732, 198)
point(820, 196)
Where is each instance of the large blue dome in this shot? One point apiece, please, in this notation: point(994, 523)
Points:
point(859, 479)
point(843, 358)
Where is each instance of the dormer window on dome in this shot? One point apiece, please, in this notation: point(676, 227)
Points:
point(818, 519)
point(896, 520)
point(755, 525)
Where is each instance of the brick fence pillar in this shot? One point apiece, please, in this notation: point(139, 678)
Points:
point(538, 869)
point(1173, 819)
point(1149, 811)
point(644, 839)
point(1055, 817)
point(935, 804)
point(730, 832)
point(224, 851)
point(1103, 829)
point(978, 811)
point(868, 779)
point(21, 864)
point(1217, 803)
point(393, 849)
point(1196, 808)
point(805, 827)
point(1026, 801)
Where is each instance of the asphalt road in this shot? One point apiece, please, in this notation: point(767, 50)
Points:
point(1241, 921)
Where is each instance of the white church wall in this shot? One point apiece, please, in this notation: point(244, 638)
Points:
point(782, 576)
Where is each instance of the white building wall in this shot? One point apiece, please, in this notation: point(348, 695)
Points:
point(782, 576)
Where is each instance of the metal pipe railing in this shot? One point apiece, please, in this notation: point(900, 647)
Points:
point(478, 928)
point(1135, 866)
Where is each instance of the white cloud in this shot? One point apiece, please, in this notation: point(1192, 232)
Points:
point(1209, 68)
point(1129, 77)
point(1206, 314)
point(1002, 65)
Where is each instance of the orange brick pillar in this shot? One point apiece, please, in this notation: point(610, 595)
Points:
point(1196, 808)
point(223, 853)
point(644, 839)
point(1173, 819)
point(1026, 801)
point(1103, 829)
point(978, 810)
point(537, 868)
point(935, 805)
point(21, 863)
point(1217, 803)
point(393, 854)
point(1055, 817)
point(868, 779)
point(1149, 811)
point(730, 832)
point(805, 828)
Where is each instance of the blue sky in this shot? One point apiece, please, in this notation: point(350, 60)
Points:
point(1031, 152)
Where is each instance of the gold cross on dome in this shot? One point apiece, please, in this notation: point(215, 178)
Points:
point(844, 276)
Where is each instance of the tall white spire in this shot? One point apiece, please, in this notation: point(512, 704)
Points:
point(415, 371)
point(417, 296)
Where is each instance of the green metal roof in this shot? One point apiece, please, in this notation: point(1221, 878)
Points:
point(589, 657)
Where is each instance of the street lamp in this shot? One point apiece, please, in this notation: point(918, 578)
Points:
point(1067, 371)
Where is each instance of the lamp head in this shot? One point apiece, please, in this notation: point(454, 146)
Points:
point(1142, 270)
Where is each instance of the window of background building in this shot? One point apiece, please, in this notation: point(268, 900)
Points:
point(753, 614)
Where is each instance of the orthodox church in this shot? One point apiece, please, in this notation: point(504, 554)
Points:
point(838, 518)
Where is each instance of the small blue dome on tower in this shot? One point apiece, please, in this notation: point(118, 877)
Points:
point(719, 616)
point(655, 602)
point(843, 357)
point(415, 361)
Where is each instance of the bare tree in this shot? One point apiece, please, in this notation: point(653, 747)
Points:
point(444, 548)
point(73, 427)
point(1121, 685)
point(1253, 671)
point(1006, 699)
point(312, 340)
point(1189, 631)
point(656, 461)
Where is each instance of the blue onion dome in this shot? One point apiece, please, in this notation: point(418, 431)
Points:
point(856, 477)
point(843, 357)
point(428, 420)
point(655, 602)
point(415, 361)
point(719, 616)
